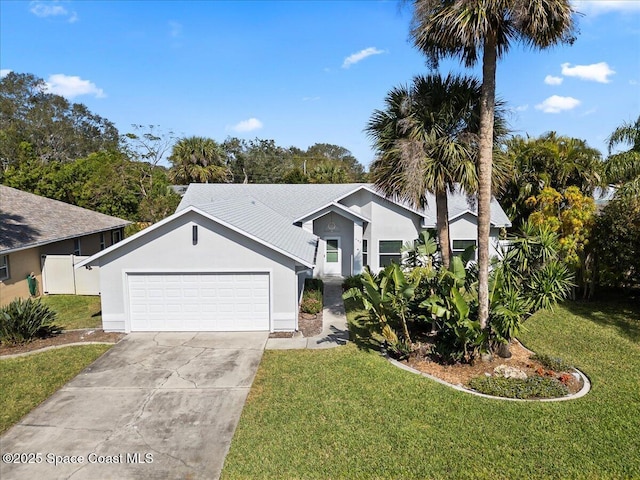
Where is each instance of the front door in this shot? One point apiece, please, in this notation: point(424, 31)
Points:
point(333, 257)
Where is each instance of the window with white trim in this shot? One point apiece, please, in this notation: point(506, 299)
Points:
point(103, 244)
point(76, 247)
point(116, 236)
point(389, 251)
point(459, 246)
point(4, 267)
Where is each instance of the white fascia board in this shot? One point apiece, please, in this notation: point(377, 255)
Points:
point(316, 213)
point(451, 219)
point(379, 194)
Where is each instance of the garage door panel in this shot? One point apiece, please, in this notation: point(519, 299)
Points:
point(199, 302)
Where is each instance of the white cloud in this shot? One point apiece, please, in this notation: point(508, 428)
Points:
point(551, 80)
point(521, 108)
point(361, 55)
point(557, 104)
point(175, 29)
point(597, 7)
point(4, 72)
point(71, 86)
point(247, 125)
point(52, 9)
point(597, 72)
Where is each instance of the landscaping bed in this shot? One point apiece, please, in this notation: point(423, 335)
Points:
point(66, 337)
point(522, 362)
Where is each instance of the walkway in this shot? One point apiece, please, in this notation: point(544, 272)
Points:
point(335, 331)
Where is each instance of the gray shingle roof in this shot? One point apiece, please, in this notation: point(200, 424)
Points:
point(289, 200)
point(459, 203)
point(258, 220)
point(28, 220)
point(268, 211)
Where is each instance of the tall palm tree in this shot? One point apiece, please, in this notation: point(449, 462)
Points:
point(198, 159)
point(468, 29)
point(426, 141)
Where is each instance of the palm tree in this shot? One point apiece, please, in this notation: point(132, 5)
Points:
point(198, 159)
point(623, 168)
point(550, 160)
point(467, 29)
point(426, 141)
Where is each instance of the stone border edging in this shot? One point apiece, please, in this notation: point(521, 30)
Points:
point(586, 386)
point(53, 347)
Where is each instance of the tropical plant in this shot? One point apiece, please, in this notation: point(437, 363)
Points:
point(198, 159)
point(23, 320)
point(425, 140)
point(422, 252)
point(473, 28)
point(386, 297)
point(453, 305)
point(623, 168)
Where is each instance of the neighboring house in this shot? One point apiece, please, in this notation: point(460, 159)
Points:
point(234, 257)
point(33, 227)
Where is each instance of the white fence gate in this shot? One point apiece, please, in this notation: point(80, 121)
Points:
point(59, 277)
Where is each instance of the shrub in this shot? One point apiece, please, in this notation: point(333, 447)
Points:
point(531, 387)
point(552, 363)
point(354, 281)
point(313, 284)
point(24, 320)
point(310, 305)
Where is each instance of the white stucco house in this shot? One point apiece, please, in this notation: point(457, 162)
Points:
point(233, 257)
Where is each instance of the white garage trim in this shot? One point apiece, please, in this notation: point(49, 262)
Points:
point(178, 301)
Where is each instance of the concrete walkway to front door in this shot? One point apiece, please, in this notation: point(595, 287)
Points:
point(157, 405)
point(335, 331)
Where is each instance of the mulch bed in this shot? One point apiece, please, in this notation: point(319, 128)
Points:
point(308, 326)
point(460, 374)
point(73, 336)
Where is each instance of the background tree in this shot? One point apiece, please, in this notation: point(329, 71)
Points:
point(473, 28)
point(54, 128)
point(571, 215)
point(425, 140)
point(198, 159)
point(548, 161)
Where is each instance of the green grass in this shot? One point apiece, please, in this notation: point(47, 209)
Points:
point(75, 311)
point(348, 413)
point(26, 382)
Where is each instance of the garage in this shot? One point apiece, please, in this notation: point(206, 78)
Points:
point(214, 302)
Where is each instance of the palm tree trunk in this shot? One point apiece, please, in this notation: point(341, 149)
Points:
point(484, 167)
point(442, 221)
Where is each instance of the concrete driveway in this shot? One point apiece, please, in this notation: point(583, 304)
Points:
point(157, 405)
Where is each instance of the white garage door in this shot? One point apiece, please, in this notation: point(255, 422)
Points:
point(215, 302)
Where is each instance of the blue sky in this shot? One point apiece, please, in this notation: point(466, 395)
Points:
point(301, 72)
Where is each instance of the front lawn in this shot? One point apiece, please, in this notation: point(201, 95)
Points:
point(348, 413)
point(75, 311)
point(27, 381)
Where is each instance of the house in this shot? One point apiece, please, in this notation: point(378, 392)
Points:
point(34, 227)
point(233, 257)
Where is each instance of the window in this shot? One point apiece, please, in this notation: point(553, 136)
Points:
point(390, 252)
point(76, 247)
point(4, 267)
point(333, 246)
point(102, 242)
point(459, 246)
point(365, 252)
point(116, 236)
